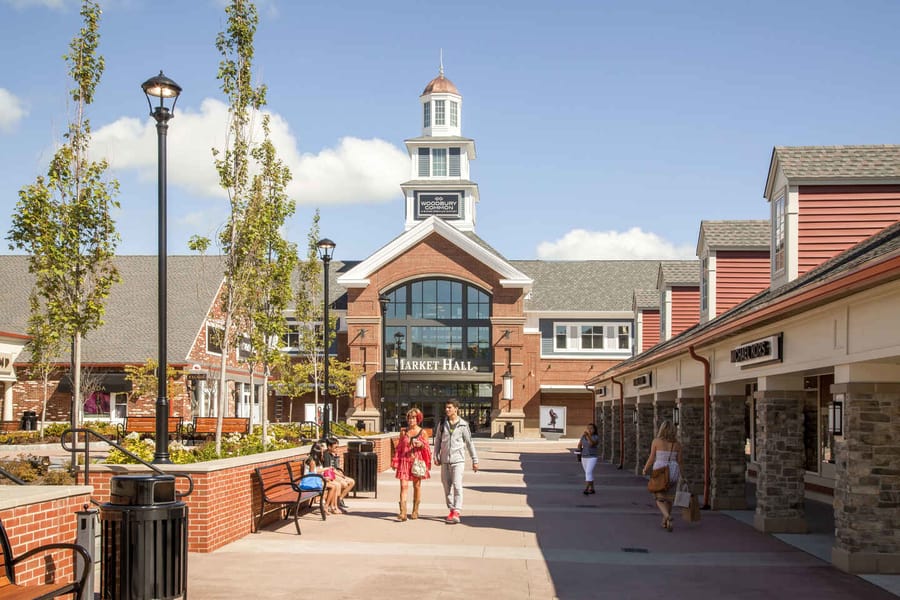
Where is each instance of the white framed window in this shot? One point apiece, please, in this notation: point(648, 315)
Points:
point(424, 162)
point(439, 162)
point(439, 112)
point(591, 337)
point(704, 285)
point(778, 234)
point(454, 162)
point(426, 114)
point(454, 114)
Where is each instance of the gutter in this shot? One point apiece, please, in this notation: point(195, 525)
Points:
point(621, 422)
point(706, 424)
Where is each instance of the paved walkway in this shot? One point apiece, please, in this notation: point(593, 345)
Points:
point(526, 532)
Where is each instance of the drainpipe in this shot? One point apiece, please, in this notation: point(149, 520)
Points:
point(621, 422)
point(705, 362)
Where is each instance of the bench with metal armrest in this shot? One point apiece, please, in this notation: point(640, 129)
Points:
point(279, 486)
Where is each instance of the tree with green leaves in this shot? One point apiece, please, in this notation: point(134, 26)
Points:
point(306, 375)
point(270, 259)
point(45, 345)
point(64, 220)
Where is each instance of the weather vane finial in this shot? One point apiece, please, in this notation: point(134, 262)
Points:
point(442, 62)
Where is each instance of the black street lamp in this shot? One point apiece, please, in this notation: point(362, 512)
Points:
point(163, 88)
point(398, 339)
point(385, 302)
point(326, 251)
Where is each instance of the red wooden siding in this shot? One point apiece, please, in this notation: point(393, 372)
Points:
point(649, 329)
point(739, 275)
point(685, 308)
point(833, 218)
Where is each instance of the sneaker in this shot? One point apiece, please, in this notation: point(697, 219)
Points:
point(449, 518)
point(456, 518)
point(343, 504)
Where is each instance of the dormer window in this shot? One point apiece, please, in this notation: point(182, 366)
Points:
point(778, 222)
point(439, 112)
point(426, 114)
point(454, 114)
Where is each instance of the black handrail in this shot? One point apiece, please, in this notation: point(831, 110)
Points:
point(345, 429)
point(87, 456)
point(11, 477)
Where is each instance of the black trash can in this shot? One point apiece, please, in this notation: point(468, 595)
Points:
point(509, 430)
point(359, 465)
point(144, 538)
point(29, 420)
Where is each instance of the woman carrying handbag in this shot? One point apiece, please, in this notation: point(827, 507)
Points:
point(412, 461)
point(587, 449)
point(665, 451)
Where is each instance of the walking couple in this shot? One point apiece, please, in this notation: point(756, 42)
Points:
point(412, 459)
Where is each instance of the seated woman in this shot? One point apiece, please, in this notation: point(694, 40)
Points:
point(315, 463)
point(334, 461)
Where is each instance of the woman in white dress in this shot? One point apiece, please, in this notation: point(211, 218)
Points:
point(665, 450)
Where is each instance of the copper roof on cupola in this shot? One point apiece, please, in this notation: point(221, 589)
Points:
point(440, 85)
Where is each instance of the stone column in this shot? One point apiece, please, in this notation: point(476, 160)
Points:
point(728, 471)
point(780, 486)
point(662, 410)
point(615, 454)
point(630, 438)
point(644, 437)
point(690, 434)
point(605, 432)
point(867, 490)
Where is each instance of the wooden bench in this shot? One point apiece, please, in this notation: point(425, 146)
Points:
point(147, 425)
point(10, 589)
point(205, 427)
point(278, 486)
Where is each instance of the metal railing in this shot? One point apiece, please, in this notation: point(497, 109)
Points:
point(11, 477)
point(86, 450)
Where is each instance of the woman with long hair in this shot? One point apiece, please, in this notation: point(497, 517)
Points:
point(413, 443)
point(665, 451)
point(587, 445)
point(315, 463)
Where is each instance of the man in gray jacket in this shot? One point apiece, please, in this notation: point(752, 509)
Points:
point(452, 439)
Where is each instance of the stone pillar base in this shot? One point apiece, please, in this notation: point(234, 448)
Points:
point(370, 417)
point(779, 524)
point(499, 420)
point(865, 562)
point(729, 503)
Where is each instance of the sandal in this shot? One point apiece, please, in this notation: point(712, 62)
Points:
point(669, 524)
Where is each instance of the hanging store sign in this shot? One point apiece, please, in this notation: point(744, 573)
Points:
point(447, 205)
point(6, 364)
point(758, 351)
point(446, 364)
point(600, 391)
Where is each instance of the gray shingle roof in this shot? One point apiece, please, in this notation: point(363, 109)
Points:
point(586, 285)
point(129, 335)
point(680, 272)
point(736, 234)
point(838, 162)
point(646, 299)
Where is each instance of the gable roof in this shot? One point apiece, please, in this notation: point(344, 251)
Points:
point(130, 323)
point(646, 299)
point(510, 276)
point(830, 163)
point(746, 235)
point(586, 285)
point(678, 272)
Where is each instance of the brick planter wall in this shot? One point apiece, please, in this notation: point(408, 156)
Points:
point(225, 501)
point(40, 515)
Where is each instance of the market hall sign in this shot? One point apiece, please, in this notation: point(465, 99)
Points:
point(758, 351)
point(445, 364)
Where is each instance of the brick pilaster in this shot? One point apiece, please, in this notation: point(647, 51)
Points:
point(728, 471)
point(867, 490)
point(779, 487)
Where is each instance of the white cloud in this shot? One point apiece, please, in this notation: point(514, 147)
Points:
point(580, 244)
point(354, 171)
point(12, 110)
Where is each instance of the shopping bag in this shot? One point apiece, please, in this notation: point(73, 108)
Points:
point(691, 514)
point(682, 496)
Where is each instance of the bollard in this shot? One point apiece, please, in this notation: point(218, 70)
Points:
point(86, 537)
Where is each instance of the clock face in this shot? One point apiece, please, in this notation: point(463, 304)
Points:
point(447, 205)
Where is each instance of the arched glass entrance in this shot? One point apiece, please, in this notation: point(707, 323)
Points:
point(442, 330)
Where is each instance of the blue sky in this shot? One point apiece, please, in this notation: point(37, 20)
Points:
point(604, 129)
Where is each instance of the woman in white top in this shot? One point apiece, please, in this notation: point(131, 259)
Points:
point(665, 450)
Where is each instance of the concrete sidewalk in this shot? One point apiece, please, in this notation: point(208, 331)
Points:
point(527, 532)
